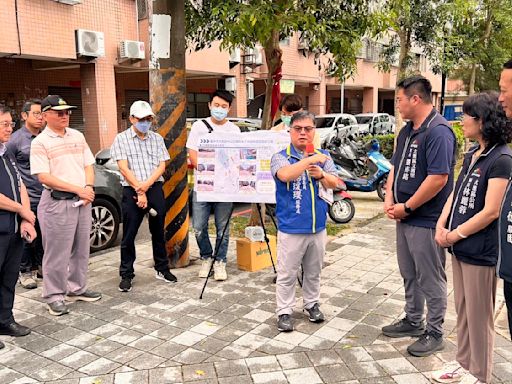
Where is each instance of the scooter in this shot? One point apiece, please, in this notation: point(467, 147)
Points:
point(378, 167)
point(348, 154)
point(342, 210)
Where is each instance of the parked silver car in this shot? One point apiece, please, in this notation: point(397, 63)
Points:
point(326, 125)
point(375, 123)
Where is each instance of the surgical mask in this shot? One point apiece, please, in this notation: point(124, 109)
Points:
point(143, 126)
point(218, 113)
point(286, 120)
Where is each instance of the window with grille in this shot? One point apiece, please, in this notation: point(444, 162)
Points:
point(142, 9)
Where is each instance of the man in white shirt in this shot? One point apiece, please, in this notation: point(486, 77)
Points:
point(220, 104)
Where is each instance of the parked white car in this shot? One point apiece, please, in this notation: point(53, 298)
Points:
point(374, 123)
point(326, 125)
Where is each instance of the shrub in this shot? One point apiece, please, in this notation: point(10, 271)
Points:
point(387, 143)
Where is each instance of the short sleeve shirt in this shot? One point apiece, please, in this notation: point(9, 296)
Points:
point(279, 161)
point(64, 157)
point(200, 129)
point(143, 155)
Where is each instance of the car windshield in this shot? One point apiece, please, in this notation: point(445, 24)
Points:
point(324, 122)
point(364, 119)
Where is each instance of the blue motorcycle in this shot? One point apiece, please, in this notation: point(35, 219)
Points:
point(378, 170)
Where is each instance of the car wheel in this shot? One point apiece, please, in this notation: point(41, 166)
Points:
point(105, 225)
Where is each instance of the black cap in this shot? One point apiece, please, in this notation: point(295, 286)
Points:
point(56, 103)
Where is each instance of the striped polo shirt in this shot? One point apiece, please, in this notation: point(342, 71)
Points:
point(143, 155)
point(64, 157)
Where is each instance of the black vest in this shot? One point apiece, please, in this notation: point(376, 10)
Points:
point(10, 187)
point(480, 248)
point(410, 161)
point(504, 265)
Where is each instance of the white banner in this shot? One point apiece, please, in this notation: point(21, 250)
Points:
point(236, 167)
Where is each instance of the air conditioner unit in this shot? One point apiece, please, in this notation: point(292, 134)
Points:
point(250, 91)
point(234, 56)
point(69, 2)
point(130, 49)
point(258, 56)
point(90, 43)
point(230, 84)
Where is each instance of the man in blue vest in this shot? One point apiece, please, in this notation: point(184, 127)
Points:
point(301, 215)
point(505, 264)
point(16, 222)
point(418, 185)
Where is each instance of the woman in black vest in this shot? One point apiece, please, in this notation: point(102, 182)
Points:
point(467, 227)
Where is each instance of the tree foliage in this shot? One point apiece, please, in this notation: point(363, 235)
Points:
point(330, 28)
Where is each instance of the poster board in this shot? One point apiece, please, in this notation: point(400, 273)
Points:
point(236, 167)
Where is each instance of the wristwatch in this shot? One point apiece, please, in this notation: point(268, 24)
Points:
point(407, 209)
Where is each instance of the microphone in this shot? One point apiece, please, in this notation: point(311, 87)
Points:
point(310, 149)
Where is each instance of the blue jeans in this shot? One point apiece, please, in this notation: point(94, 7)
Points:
point(200, 215)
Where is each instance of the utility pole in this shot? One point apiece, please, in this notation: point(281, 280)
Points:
point(167, 92)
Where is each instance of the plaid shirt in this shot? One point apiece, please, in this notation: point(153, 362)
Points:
point(279, 161)
point(143, 155)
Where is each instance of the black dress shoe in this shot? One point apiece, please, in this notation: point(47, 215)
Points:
point(2, 345)
point(14, 329)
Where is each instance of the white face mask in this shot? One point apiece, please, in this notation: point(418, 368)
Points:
point(219, 113)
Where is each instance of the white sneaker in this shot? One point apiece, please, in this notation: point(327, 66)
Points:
point(205, 267)
point(219, 271)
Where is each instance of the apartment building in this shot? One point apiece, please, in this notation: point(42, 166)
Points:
point(94, 53)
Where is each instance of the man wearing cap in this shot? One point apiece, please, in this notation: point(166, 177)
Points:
point(141, 155)
point(63, 162)
point(16, 221)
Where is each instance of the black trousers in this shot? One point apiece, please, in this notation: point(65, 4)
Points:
point(507, 290)
point(32, 256)
point(132, 218)
point(11, 246)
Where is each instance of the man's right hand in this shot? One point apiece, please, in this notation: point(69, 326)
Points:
point(28, 215)
point(388, 209)
point(86, 194)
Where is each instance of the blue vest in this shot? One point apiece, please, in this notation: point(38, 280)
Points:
point(504, 264)
point(10, 187)
point(298, 207)
point(410, 161)
point(480, 248)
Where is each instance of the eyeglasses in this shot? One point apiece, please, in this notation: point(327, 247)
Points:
point(298, 129)
point(64, 113)
point(465, 116)
point(36, 114)
point(6, 124)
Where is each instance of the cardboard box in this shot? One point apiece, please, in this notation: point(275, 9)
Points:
point(253, 255)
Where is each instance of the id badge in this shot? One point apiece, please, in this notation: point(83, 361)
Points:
point(326, 194)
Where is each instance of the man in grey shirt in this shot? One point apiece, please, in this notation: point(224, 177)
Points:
point(19, 146)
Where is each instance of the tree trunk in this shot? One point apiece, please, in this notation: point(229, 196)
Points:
point(273, 58)
point(472, 80)
point(405, 47)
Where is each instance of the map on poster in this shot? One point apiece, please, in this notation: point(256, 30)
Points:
point(236, 167)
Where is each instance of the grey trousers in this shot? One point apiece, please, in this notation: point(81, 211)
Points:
point(422, 266)
point(292, 251)
point(66, 232)
point(475, 297)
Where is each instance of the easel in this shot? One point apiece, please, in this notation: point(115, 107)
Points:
point(260, 209)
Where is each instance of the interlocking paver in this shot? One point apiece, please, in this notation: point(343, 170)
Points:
point(161, 333)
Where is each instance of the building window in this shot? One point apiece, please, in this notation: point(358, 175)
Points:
point(142, 9)
point(197, 105)
point(285, 41)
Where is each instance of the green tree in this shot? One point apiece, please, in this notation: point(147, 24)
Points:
point(332, 30)
point(480, 42)
point(407, 24)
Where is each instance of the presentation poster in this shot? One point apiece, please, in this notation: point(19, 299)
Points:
point(236, 167)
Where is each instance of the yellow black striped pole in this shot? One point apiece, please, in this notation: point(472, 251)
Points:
point(167, 84)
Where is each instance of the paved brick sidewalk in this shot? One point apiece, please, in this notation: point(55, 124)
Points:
point(161, 333)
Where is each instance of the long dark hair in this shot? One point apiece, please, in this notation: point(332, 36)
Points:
point(485, 107)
